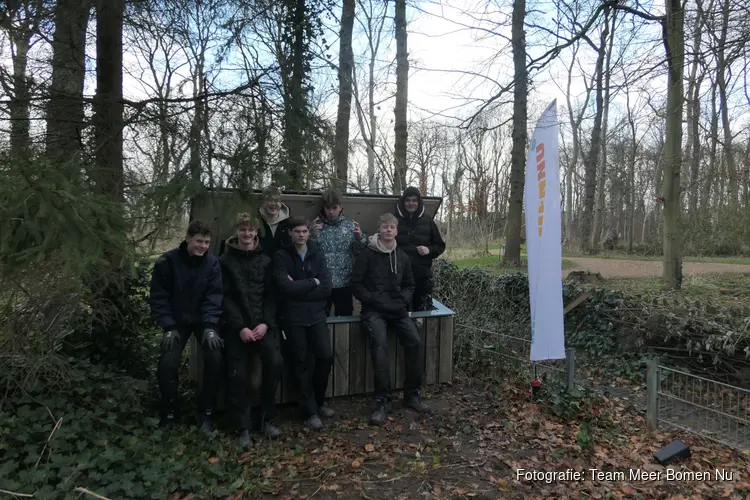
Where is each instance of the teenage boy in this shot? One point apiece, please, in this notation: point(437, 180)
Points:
point(341, 241)
point(382, 281)
point(304, 285)
point(249, 325)
point(275, 217)
point(186, 299)
point(419, 237)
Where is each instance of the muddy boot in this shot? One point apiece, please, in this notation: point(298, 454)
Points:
point(326, 411)
point(414, 401)
point(270, 431)
point(314, 422)
point(244, 442)
point(204, 423)
point(382, 409)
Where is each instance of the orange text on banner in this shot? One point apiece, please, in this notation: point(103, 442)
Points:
point(541, 184)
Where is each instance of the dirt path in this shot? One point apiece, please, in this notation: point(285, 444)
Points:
point(610, 268)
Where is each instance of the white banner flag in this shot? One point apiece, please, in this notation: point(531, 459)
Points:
point(543, 239)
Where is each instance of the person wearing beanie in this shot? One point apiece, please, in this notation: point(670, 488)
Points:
point(341, 241)
point(420, 238)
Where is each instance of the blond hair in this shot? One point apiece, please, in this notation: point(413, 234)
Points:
point(387, 218)
point(244, 219)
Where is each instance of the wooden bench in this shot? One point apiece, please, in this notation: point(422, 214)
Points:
point(352, 372)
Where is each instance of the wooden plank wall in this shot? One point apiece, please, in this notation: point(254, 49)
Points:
point(352, 372)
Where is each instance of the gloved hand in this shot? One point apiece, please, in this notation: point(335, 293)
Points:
point(212, 339)
point(169, 338)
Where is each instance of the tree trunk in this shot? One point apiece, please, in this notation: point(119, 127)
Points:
point(402, 87)
point(601, 199)
point(343, 116)
point(631, 175)
point(19, 103)
point(295, 106)
point(674, 43)
point(591, 160)
point(711, 174)
point(65, 110)
point(518, 150)
point(721, 80)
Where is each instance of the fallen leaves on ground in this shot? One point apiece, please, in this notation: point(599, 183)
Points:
point(474, 445)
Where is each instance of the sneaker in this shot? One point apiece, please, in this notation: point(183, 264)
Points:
point(167, 423)
point(271, 431)
point(414, 401)
point(326, 411)
point(379, 416)
point(314, 422)
point(204, 424)
point(244, 441)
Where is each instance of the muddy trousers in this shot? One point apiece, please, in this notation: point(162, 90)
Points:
point(377, 327)
point(240, 356)
point(168, 369)
point(310, 362)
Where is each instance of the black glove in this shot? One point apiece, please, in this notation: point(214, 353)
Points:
point(169, 338)
point(212, 339)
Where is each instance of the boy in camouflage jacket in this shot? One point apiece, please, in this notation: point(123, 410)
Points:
point(341, 241)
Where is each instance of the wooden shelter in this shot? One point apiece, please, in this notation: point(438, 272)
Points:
point(352, 372)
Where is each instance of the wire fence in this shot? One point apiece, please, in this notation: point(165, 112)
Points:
point(517, 351)
point(711, 409)
point(708, 408)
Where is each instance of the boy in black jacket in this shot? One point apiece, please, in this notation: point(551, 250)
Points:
point(382, 281)
point(249, 324)
point(186, 299)
point(304, 285)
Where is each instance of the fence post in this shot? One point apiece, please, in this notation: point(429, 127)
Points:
point(652, 393)
point(570, 368)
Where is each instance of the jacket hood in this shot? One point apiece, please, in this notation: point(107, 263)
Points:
point(233, 244)
point(401, 209)
point(374, 243)
point(283, 213)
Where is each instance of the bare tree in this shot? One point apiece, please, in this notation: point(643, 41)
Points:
point(402, 98)
point(346, 67)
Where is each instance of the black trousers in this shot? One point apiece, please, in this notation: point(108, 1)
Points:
point(377, 327)
point(168, 369)
point(240, 356)
point(422, 298)
point(342, 301)
point(307, 346)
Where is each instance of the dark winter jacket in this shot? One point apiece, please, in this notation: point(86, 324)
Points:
point(271, 241)
point(382, 280)
point(303, 301)
point(186, 291)
point(418, 229)
point(249, 297)
point(340, 246)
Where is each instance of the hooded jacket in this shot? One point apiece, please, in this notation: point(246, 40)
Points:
point(274, 236)
point(303, 301)
point(382, 279)
point(186, 291)
point(340, 247)
point(249, 297)
point(418, 229)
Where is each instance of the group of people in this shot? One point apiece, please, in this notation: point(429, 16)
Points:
point(270, 291)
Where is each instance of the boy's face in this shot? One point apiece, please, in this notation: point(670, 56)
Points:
point(197, 244)
point(246, 234)
point(300, 235)
point(272, 207)
point(411, 203)
point(388, 231)
point(333, 211)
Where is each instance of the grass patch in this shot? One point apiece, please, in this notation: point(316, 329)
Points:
point(622, 255)
point(495, 262)
point(727, 289)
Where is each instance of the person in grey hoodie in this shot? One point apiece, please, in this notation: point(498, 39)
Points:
point(383, 282)
point(341, 241)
